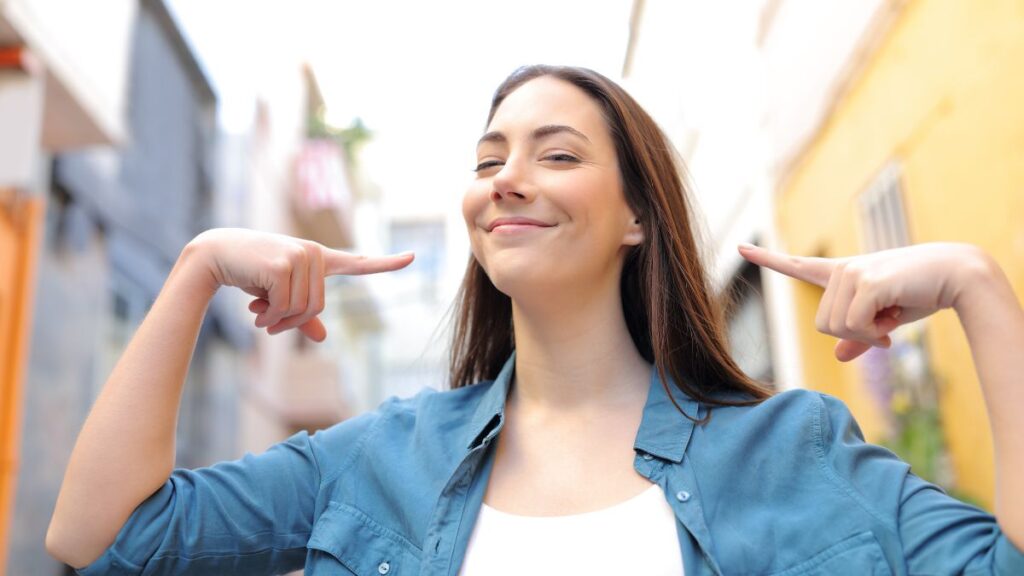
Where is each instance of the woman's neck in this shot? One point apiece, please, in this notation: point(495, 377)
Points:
point(574, 353)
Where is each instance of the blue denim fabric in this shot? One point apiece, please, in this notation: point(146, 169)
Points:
point(785, 487)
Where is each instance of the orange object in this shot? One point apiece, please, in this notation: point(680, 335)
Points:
point(12, 57)
point(18, 58)
point(20, 220)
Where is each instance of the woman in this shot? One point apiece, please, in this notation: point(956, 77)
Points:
point(596, 423)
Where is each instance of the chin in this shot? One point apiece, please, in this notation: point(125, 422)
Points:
point(523, 277)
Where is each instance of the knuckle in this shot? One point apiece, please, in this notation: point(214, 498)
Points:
point(308, 244)
point(866, 279)
point(318, 265)
point(850, 325)
point(311, 249)
point(852, 329)
point(280, 266)
point(821, 324)
point(277, 308)
point(835, 327)
point(316, 304)
point(295, 253)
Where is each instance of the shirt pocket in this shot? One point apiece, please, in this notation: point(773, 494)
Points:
point(346, 541)
point(859, 554)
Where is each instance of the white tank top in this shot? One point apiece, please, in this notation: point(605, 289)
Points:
point(637, 536)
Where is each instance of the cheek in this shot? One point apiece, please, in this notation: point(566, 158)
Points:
point(474, 202)
point(598, 211)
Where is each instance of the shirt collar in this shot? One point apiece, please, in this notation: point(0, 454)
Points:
point(489, 416)
point(664, 432)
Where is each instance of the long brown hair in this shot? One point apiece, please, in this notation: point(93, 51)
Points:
point(675, 321)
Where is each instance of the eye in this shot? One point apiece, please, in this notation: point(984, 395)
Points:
point(486, 164)
point(562, 158)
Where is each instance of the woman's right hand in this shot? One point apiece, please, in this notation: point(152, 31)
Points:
point(285, 274)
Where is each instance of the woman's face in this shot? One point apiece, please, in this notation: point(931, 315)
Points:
point(546, 209)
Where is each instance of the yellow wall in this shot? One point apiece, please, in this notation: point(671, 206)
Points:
point(944, 96)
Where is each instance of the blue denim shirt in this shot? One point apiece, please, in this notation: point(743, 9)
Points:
point(784, 487)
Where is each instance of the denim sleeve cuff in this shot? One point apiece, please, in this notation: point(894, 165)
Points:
point(1008, 559)
point(110, 562)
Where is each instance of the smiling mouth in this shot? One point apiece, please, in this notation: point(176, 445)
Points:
point(511, 223)
point(513, 228)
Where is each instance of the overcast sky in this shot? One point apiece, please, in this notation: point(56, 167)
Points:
point(420, 74)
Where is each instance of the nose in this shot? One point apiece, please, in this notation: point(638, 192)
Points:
point(510, 183)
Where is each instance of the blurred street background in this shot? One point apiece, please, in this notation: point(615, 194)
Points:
point(825, 128)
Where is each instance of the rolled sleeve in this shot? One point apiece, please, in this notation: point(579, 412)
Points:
point(249, 516)
point(937, 533)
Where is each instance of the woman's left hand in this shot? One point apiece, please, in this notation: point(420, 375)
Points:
point(868, 296)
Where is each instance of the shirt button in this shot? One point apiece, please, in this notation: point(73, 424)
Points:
point(384, 568)
point(647, 456)
point(682, 495)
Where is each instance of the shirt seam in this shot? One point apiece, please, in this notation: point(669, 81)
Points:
point(842, 483)
point(316, 464)
point(360, 446)
point(377, 528)
point(225, 554)
point(116, 557)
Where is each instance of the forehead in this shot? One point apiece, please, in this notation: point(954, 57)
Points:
point(550, 101)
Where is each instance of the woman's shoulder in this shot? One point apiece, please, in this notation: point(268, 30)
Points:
point(444, 415)
point(431, 404)
point(794, 419)
point(795, 404)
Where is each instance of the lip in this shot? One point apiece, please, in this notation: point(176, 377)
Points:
point(516, 221)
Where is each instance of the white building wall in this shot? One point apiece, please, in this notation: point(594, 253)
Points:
point(85, 51)
point(21, 113)
point(740, 88)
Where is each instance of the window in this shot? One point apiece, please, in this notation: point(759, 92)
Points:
point(900, 379)
point(883, 215)
point(427, 239)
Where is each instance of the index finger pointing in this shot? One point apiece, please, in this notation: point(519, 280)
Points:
point(814, 270)
point(338, 262)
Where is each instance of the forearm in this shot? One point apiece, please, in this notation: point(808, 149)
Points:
point(994, 323)
point(125, 450)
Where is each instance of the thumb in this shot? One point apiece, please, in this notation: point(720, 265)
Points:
point(847, 350)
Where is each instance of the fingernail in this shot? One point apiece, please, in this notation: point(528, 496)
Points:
point(746, 246)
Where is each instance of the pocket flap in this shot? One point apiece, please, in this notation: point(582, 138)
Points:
point(361, 544)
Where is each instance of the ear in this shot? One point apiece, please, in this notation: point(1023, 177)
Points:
point(634, 232)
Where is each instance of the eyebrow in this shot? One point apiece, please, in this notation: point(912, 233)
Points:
point(537, 134)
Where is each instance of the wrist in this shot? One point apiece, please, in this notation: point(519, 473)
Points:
point(195, 264)
point(980, 281)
